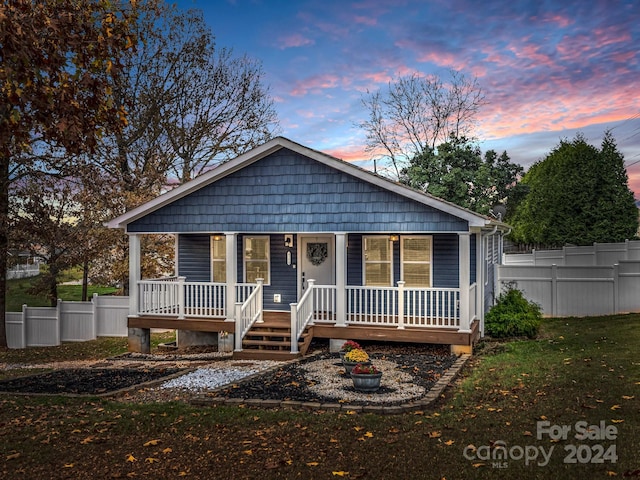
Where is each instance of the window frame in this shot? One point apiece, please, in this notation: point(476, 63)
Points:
point(429, 262)
point(267, 238)
point(223, 239)
point(365, 262)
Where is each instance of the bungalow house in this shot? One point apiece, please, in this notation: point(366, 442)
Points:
point(284, 243)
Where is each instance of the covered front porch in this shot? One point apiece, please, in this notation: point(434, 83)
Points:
point(333, 309)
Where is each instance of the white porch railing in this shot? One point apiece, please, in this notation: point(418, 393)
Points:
point(205, 299)
point(175, 297)
point(379, 306)
point(159, 297)
point(400, 306)
point(248, 313)
point(301, 315)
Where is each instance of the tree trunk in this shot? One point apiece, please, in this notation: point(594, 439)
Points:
point(85, 280)
point(4, 242)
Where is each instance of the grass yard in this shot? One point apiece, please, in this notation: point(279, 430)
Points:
point(18, 293)
point(582, 375)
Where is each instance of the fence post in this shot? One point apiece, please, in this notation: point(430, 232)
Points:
point(401, 305)
point(616, 288)
point(59, 321)
point(294, 327)
point(554, 290)
point(181, 297)
point(94, 316)
point(24, 342)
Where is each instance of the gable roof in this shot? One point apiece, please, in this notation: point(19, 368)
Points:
point(240, 162)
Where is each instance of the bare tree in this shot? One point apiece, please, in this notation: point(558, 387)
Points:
point(417, 113)
point(223, 110)
point(191, 106)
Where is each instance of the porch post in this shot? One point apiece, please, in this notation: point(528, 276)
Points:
point(138, 339)
point(341, 279)
point(231, 274)
point(134, 272)
point(465, 277)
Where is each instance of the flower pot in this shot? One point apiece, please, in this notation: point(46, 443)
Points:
point(342, 354)
point(366, 382)
point(348, 366)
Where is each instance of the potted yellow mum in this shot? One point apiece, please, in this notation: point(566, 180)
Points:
point(354, 357)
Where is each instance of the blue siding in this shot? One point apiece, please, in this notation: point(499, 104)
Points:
point(284, 278)
point(354, 259)
point(446, 270)
point(286, 192)
point(194, 257)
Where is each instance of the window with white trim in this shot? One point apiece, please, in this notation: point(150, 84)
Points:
point(378, 265)
point(256, 259)
point(218, 259)
point(415, 260)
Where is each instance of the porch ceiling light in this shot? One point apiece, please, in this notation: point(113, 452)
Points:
point(394, 238)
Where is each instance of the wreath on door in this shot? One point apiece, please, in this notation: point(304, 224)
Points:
point(317, 253)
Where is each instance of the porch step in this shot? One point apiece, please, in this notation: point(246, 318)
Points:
point(271, 340)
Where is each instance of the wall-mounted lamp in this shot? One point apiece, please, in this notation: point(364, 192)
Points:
point(394, 237)
point(288, 240)
point(217, 238)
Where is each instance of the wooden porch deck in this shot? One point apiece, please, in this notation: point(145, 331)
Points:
point(278, 347)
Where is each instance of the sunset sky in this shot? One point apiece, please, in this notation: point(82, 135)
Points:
point(548, 68)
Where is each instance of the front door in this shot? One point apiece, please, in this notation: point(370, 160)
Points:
point(317, 261)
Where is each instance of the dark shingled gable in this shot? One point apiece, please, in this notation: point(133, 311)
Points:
point(288, 192)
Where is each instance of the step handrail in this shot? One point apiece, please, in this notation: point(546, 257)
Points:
point(301, 315)
point(247, 314)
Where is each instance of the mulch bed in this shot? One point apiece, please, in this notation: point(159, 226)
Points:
point(84, 381)
point(425, 363)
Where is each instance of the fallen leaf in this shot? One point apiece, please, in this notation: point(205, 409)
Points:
point(312, 464)
point(476, 465)
point(527, 433)
point(151, 442)
point(151, 460)
point(628, 397)
point(434, 434)
point(333, 440)
point(615, 407)
point(449, 442)
point(167, 450)
point(68, 465)
point(340, 474)
point(357, 429)
point(617, 421)
point(611, 474)
point(13, 456)
point(368, 435)
point(131, 458)
point(87, 440)
point(248, 452)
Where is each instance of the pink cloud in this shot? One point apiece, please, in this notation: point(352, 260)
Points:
point(315, 84)
point(293, 41)
point(369, 21)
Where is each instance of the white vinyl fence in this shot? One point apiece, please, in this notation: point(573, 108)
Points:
point(103, 316)
point(578, 281)
point(606, 254)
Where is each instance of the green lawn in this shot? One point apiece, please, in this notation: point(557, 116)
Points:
point(581, 376)
point(17, 293)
